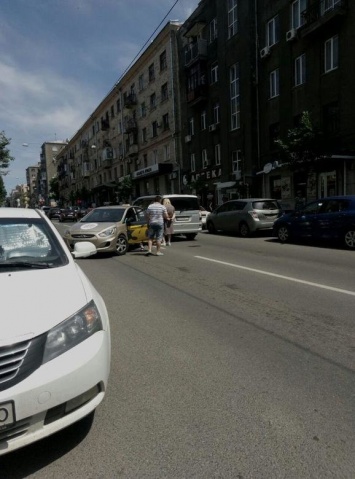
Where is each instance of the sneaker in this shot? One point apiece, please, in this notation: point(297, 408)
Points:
point(168, 244)
point(148, 253)
point(159, 254)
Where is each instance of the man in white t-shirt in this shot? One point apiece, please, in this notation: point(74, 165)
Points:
point(156, 214)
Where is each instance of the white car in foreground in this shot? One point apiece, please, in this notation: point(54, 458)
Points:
point(54, 354)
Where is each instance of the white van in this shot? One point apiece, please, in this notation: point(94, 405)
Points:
point(187, 213)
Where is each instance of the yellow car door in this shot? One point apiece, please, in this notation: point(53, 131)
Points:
point(137, 227)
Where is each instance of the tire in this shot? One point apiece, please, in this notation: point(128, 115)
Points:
point(244, 230)
point(191, 236)
point(121, 245)
point(210, 227)
point(283, 234)
point(349, 238)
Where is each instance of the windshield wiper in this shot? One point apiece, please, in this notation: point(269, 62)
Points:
point(25, 264)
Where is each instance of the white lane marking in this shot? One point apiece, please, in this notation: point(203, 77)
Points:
point(287, 278)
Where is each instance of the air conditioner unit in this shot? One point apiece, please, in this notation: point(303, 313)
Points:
point(291, 34)
point(264, 52)
point(187, 138)
point(212, 127)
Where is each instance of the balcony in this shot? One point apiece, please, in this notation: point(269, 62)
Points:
point(322, 13)
point(130, 125)
point(195, 51)
point(133, 150)
point(199, 93)
point(130, 100)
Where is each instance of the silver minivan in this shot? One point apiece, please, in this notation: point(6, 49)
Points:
point(244, 216)
point(187, 213)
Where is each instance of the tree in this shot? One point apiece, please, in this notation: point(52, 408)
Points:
point(5, 156)
point(54, 188)
point(305, 145)
point(2, 191)
point(124, 189)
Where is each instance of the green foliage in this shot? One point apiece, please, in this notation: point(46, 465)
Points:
point(2, 191)
point(304, 144)
point(54, 188)
point(124, 189)
point(5, 156)
point(199, 184)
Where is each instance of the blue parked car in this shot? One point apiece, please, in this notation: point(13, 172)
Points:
point(331, 218)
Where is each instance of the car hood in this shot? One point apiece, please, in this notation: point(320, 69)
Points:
point(33, 301)
point(92, 227)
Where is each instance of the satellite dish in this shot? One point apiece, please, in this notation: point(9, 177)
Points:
point(267, 168)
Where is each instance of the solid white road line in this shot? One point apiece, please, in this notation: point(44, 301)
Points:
point(287, 278)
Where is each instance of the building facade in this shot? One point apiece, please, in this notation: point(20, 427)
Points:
point(130, 144)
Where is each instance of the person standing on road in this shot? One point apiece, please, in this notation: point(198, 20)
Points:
point(169, 224)
point(156, 215)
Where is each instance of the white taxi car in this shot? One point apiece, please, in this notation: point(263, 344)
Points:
point(54, 355)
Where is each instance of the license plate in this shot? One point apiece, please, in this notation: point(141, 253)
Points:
point(181, 218)
point(7, 414)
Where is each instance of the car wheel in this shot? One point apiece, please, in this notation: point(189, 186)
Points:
point(191, 236)
point(244, 230)
point(283, 234)
point(210, 228)
point(349, 239)
point(121, 245)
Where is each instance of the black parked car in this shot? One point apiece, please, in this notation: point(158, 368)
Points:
point(331, 218)
point(54, 213)
point(68, 214)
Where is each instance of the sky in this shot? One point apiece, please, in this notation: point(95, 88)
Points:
point(60, 58)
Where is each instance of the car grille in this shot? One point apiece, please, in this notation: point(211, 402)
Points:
point(19, 360)
point(83, 236)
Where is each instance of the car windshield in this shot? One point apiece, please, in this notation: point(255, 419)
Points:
point(104, 215)
point(185, 204)
point(28, 244)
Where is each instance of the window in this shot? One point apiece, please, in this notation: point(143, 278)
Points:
point(300, 70)
point(152, 101)
point(143, 110)
point(162, 61)
point(217, 154)
point(214, 72)
point(203, 120)
point(193, 162)
point(331, 54)
point(274, 134)
point(331, 118)
point(118, 105)
point(154, 129)
point(141, 82)
point(164, 92)
point(216, 111)
point(112, 111)
point(232, 18)
point(151, 74)
point(237, 161)
point(144, 135)
point(191, 126)
point(204, 158)
point(166, 152)
point(234, 96)
point(272, 31)
point(274, 83)
point(166, 121)
point(213, 30)
point(327, 5)
point(297, 7)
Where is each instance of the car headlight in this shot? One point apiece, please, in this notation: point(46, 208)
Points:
point(109, 232)
point(72, 331)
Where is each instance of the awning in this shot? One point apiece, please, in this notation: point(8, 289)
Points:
point(226, 184)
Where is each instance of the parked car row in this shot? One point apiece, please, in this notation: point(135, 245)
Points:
point(331, 218)
point(73, 213)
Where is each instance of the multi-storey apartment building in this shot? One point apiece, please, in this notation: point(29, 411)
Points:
point(133, 135)
point(218, 69)
point(32, 175)
point(307, 64)
point(249, 70)
point(50, 151)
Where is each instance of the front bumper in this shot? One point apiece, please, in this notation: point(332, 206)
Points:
point(57, 394)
